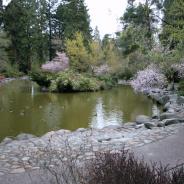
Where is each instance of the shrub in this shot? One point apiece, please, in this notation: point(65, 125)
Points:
point(149, 78)
point(41, 78)
point(72, 81)
point(108, 81)
point(127, 73)
point(123, 168)
point(12, 71)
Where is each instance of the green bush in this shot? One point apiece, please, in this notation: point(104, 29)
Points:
point(41, 78)
point(107, 81)
point(72, 81)
point(126, 74)
point(12, 71)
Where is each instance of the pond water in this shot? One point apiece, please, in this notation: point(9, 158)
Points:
point(24, 109)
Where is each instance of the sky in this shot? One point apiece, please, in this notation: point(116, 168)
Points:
point(105, 14)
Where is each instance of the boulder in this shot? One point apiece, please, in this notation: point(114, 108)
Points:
point(168, 122)
point(142, 119)
point(149, 125)
point(168, 115)
point(6, 140)
point(129, 124)
point(167, 106)
point(139, 126)
point(155, 112)
point(161, 124)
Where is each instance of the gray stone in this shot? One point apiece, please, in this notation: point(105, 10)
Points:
point(112, 127)
point(149, 125)
point(80, 129)
point(147, 141)
point(168, 122)
point(130, 124)
point(24, 136)
point(25, 159)
point(171, 110)
point(17, 171)
point(141, 119)
point(139, 126)
point(6, 140)
point(160, 124)
point(168, 115)
point(167, 106)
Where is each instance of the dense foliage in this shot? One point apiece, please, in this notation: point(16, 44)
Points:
point(72, 81)
point(34, 31)
point(37, 29)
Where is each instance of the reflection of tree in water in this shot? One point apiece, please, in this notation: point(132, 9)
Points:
point(21, 110)
point(102, 118)
point(121, 105)
point(77, 109)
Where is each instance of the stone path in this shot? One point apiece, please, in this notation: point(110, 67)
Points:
point(20, 155)
point(167, 151)
point(27, 154)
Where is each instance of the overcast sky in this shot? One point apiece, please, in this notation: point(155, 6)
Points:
point(105, 14)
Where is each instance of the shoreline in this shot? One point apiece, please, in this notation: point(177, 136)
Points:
point(6, 80)
point(85, 142)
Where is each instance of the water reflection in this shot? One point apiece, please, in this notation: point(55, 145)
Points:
point(101, 118)
point(23, 108)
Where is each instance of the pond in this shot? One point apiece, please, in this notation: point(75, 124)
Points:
point(24, 109)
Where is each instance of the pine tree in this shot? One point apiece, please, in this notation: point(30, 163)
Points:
point(26, 23)
point(172, 35)
point(73, 17)
point(97, 34)
point(139, 18)
point(4, 44)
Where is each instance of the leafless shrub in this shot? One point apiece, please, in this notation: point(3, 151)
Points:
point(64, 166)
point(123, 168)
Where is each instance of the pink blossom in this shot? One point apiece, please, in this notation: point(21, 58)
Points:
point(150, 78)
point(59, 63)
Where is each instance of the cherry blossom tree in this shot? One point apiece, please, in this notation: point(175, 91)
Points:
point(150, 78)
point(59, 63)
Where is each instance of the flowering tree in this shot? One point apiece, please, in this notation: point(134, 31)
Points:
point(59, 63)
point(149, 78)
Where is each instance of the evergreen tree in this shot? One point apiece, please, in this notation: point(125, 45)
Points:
point(77, 53)
point(73, 17)
point(97, 34)
point(139, 18)
point(4, 44)
point(172, 35)
point(26, 23)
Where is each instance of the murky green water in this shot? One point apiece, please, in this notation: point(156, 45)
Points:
point(24, 109)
